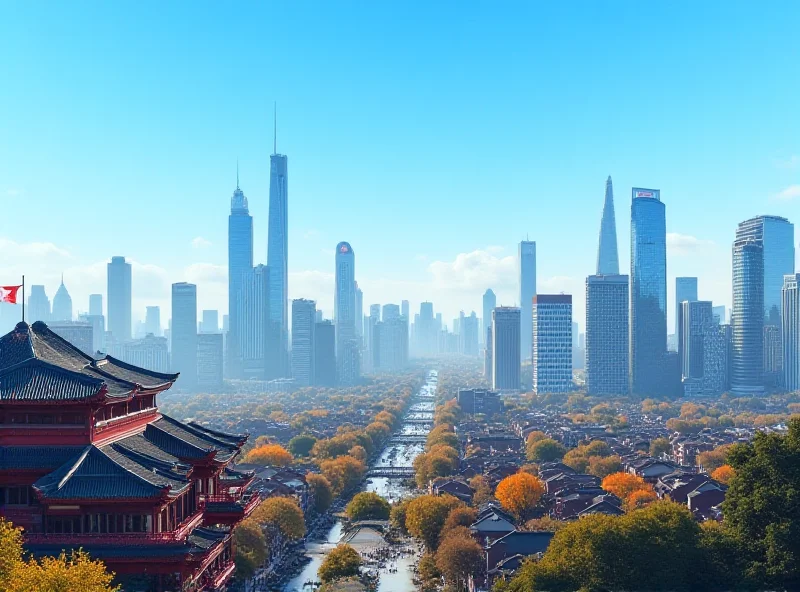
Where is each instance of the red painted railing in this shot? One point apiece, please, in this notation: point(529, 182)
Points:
point(126, 538)
point(123, 420)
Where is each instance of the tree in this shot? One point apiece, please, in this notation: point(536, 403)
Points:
point(598, 448)
point(660, 446)
point(397, 516)
point(426, 515)
point(281, 513)
point(639, 499)
point(269, 455)
point(761, 504)
point(624, 484)
point(547, 450)
point(603, 467)
point(341, 562)
point(358, 452)
point(430, 465)
point(711, 460)
point(368, 506)
point(251, 548)
point(544, 524)
point(459, 517)
point(482, 488)
point(520, 493)
point(301, 445)
point(429, 575)
point(576, 459)
point(723, 474)
point(457, 558)
point(322, 491)
point(343, 472)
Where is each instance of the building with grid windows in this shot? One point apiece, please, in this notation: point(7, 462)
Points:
point(552, 343)
point(607, 334)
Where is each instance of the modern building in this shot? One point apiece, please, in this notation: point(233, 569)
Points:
point(359, 315)
point(552, 343)
point(527, 290)
point(607, 255)
point(62, 304)
point(240, 265)
point(390, 312)
point(149, 352)
point(720, 314)
point(474, 401)
point(184, 333)
point(98, 323)
point(405, 309)
point(747, 317)
point(96, 304)
point(278, 252)
point(427, 331)
point(258, 335)
point(685, 290)
point(391, 353)
point(210, 358)
point(488, 356)
point(152, 321)
point(648, 293)
point(716, 356)
point(119, 298)
point(607, 335)
point(325, 354)
point(142, 488)
point(210, 322)
point(469, 332)
point(80, 334)
point(790, 318)
point(506, 357)
point(303, 331)
point(696, 318)
point(38, 308)
point(347, 349)
point(489, 304)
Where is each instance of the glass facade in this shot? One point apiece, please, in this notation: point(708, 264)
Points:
point(648, 291)
point(552, 343)
point(278, 252)
point(505, 348)
point(685, 289)
point(240, 263)
point(527, 290)
point(607, 334)
point(747, 317)
point(607, 257)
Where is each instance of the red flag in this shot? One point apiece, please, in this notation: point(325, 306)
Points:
point(9, 294)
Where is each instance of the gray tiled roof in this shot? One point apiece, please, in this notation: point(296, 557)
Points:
point(36, 457)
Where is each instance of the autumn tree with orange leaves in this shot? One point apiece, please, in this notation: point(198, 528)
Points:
point(639, 499)
point(723, 474)
point(519, 494)
point(624, 484)
point(269, 455)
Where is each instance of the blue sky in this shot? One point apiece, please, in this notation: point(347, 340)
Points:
point(431, 136)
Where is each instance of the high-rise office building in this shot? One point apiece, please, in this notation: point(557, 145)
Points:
point(240, 264)
point(685, 290)
point(527, 290)
point(696, 318)
point(210, 355)
point(405, 309)
point(184, 333)
point(152, 321)
point(506, 357)
point(427, 333)
point(278, 252)
point(347, 350)
point(119, 299)
point(150, 352)
point(607, 334)
point(80, 334)
point(98, 323)
point(359, 315)
point(552, 343)
point(720, 314)
point(255, 329)
point(648, 292)
point(96, 304)
point(488, 356)
point(790, 318)
point(38, 308)
point(716, 350)
point(62, 304)
point(392, 338)
point(325, 354)
point(747, 317)
point(489, 304)
point(303, 331)
point(607, 256)
point(469, 332)
point(210, 322)
point(390, 312)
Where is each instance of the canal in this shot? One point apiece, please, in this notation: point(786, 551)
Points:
point(397, 574)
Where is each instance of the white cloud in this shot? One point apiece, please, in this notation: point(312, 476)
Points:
point(790, 193)
point(477, 270)
point(12, 251)
point(201, 273)
point(199, 242)
point(686, 244)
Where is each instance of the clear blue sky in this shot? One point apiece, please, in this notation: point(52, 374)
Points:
point(431, 136)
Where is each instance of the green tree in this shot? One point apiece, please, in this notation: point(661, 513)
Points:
point(341, 562)
point(301, 445)
point(397, 516)
point(368, 505)
point(458, 558)
point(660, 446)
point(547, 450)
point(426, 515)
point(322, 491)
point(251, 548)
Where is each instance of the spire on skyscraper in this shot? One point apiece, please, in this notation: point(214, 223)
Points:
point(275, 129)
point(237, 173)
point(607, 257)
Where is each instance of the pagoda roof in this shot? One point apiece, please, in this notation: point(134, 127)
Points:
point(36, 364)
point(36, 457)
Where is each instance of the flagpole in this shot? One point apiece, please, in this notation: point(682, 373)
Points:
point(23, 298)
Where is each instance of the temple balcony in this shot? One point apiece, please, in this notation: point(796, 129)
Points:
point(229, 509)
point(116, 426)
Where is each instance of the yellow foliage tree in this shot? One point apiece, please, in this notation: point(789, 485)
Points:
point(624, 484)
point(342, 472)
point(639, 499)
point(723, 474)
point(282, 513)
point(269, 455)
point(520, 493)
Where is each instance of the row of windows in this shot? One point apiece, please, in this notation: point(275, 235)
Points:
point(99, 524)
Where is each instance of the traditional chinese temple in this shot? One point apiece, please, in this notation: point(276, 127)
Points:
point(87, 461)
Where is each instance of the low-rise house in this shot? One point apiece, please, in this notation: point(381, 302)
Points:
point(491, 524)
point(456, 488)
point(505, 555)
point(650, 469)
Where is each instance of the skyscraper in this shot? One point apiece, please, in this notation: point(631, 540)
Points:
point(489, 304)
point(552, 343)
point(184, 333)
point(325, 354)
point(607, 334)
point(720, 314)
point(696, 318)
point(240, 264)
point(607, 256)
point(405, 309)
point(96, 304)
point(390, 312)
point(527, 290)
point(685, 289)
point(119, 299)
point(359, 315)
point(210, 356)
point(648, 292)
point(505, 348)
point(747, 318)
point(468, 335)
point(303, 331)
point(347, 356)
point(427, 333)
point(152, 321)
point(392, 337)
point(278, 249)
point(38, 305)
point(210, 322)
point(258, 359)
point(790, 316)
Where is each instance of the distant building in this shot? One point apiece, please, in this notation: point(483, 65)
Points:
point(790, 318)
point(184, 333)
point(607, 256)
point(474, 401)
point(685, 290)
point(62, 304)
point(149, 352)
point(773, 355)
point(240, 265)
point(405, 309)
point(607, 334)
point(96, 305)
point(716, 359)
point(506, 357)
point(720, 314)
point(468, 331)
point(527, 290)
point(38, 308)
point(552, 343)
point(98, 323)
point(152, 321)
point(303, 346)
point(489, 304)
point(119, 298)
point(210, 322)
point(392, 350)
point(325, 354)
point(359, 315)
point(391, 312)
point(695, 318)
point(255, 327)
point(747, 318)
point(278, 262)
point(488, 358)
point(210, 356)
point(427, 331)
point(347, 348)
point(80, 334)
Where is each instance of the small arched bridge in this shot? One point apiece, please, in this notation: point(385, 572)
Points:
point(391, 472)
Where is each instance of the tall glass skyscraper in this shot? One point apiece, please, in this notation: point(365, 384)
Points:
point(607, 334)
point(240, 263)
point(278, 253)
point(527, 290)
point(607, 256)
point(506, 360)
point(489, 304)
point(747, 317)
point(119, 299)
point(685, 290)
point(648, 291)
point(790, 314)
point(184, 333)
point(347, 350)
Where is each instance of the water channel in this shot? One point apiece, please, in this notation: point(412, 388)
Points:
point(397, 574)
